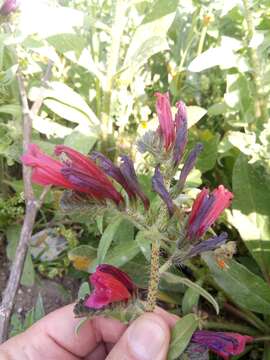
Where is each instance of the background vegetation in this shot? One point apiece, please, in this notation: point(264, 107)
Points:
point(107, 59)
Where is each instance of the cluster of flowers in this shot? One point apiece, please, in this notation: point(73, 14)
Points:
point(94, 177)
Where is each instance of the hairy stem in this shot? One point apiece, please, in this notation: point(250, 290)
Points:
point(154, 277)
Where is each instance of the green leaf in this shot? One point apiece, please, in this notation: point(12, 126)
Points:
point(107, 239)
point(122, 253)
point(12, 109)
point(241, 285)
point(191, 299)
point(208, 156)
point(194, 114)
point(181, 335)
point(39, 308)
point(251, 187)
point(83, 290)
point(67, 42)
point(144, 243)
point(28, 275)
point(81, 142)
point(150, 37)
point(175, 279)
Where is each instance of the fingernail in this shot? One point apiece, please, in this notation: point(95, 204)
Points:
point(146, 337)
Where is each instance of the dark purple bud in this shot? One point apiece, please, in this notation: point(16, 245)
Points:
point(113, 171)
point(225, 344)
point(188, 165)
point(8, 7)
point(128, 171)
point(160, 189)
point(181, 133)
point(119, 275)
point(207, 245)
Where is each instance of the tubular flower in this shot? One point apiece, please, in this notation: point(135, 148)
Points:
point(110, 285)
point(8, 7)
point(78, 173)
point(189, 164)
point(206, 209)
point(129, 174)
point(224, 344)
point(166, 124)
point(181, 136)
point(160, 189)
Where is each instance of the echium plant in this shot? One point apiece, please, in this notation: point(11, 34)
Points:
point(96, 182)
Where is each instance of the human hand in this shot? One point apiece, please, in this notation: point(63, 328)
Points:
point(54, 338)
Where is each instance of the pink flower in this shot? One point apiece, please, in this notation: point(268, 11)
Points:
point(225, 344)
point(78, 173)
point(206, 209)
point(110, 285)
point(166, 123)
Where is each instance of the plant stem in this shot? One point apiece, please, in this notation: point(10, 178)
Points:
point(262, 338)
point(165, 266)
point(226, 325)
point(154, 277)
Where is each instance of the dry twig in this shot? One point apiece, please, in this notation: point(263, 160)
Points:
point(31, 209)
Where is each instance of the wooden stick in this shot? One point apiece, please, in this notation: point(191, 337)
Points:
point(32, 207)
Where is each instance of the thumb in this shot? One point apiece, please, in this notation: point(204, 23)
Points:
point(147, 338)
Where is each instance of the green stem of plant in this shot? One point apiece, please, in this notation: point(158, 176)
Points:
point(226, 325)
point(260, 104)
point(154, 277)
point(202, 39)
point(262, 338)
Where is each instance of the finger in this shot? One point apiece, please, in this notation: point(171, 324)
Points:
point(60, 326)
point(171, 319)
point(99, 353)
point(147, 338)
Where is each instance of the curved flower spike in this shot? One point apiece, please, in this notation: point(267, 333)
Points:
point(110, 285)
point(206, 209)
point(225, 344)
point(166, 123)
point(160, 189)
point(128, 172)
point(189, 164)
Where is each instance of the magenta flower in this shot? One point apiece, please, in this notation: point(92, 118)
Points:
point(110, 285)
point(159, 187)
point(172, 132)
point(78, 173)
point(206, 209)
point(224, 344)
point(8, 7)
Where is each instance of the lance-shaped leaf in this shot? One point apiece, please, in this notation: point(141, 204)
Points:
point(188, 165)
point(128, 171)
point(160, 189)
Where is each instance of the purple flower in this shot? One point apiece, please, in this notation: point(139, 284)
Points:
point(8, 7)
point(207, 245)
point(128, 172)
point(160, 189)
point(206, 209)
point(113, 171)
point(225, 344)
point(181, 133)
point(189, 164)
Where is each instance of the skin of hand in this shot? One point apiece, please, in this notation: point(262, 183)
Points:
point(54, 338)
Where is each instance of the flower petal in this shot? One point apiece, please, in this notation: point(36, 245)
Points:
point(160, 189)
point(128, 171)
point(181, 133)
point(166, 124)
point(188, 165)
